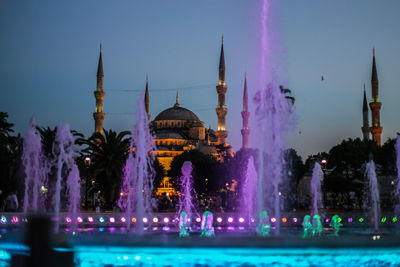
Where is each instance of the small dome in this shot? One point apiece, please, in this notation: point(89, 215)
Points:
point(168, 135)
point(176, 113)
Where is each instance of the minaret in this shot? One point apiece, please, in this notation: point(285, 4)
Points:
point(245, 116)
point(177, 101)
point(99, 94)
point(375, 105)
point(365, 128)
point(146, 98)
point(221, 109)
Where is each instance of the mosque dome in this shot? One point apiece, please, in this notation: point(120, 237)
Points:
point(177, 113)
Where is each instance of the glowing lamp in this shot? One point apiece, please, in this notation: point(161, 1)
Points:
point(166, 220)
point(198, 219)
point(394, 219)
point(123, 219)
point(361, 219)
point(327, 220)
point(112, 220)
point(383, 220)
point(68, 220)
point(90, 219)
point(155, 220)
point(241, 219)
point(252, 220)
point(219, 219)
point(284, 220)
point(273, 219)
point(145, 220)
point(133, 219)
point(101, 219)
point(349, 220)
point(295, 220)
point(14, 219)
point(323, 161)
point(79, 219)
point(230, 219)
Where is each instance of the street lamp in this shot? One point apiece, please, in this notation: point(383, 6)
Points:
point(87, 162)
point(324, 163)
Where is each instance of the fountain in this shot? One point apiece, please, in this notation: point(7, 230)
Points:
point(207, 228)
point(186, 210)
point(273, 113)
point(74, 195)
point(316, 225)
point(373, 192)
point(32, 159)
point(137, 182)
point(307, 226)
point(264, 225)
point(317, 177)
point(63, 150)
point(336, 224)
point(249, 191)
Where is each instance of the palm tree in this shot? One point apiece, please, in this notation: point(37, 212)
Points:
point(108, 155)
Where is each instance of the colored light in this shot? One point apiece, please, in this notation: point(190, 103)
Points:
point(350, 220)
point(101, 219)
point(339, 219)
point(133, 219)
point(145, 220)
point(383, 220)
point(361, 219)
point(241, 219)
point(68, 220)
point(90, 219)
point(273, 219)
point(198, 219)
point(14, 219)
point(112, 220)
point(79, 219)
point(155, 220)
point(252, 220)
point(219, 219)
point(166, 220)
point(230, 219)
point(123, 219)
point(295, 220)
point(394, 219)
point(327, 220)
point(284, 219)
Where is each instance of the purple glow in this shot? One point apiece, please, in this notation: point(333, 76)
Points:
point(155, 220)
point(79, 219)
point(273, 219)
point(68, 220)
point(14, 219)
point(123, 219)
point(166, 219)
point(241, 220)
point(145, 220)
point(90, 219)
point(112, 220)
point(219, 219)
point(350, 220)
point(230, 219)
point(294, 220)
point(198, 219)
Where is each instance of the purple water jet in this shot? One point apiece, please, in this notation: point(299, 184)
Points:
point(273, 113)
point(137, 182)
point(35, 175)
point(249, 191)
point(317, 177)
point(373, 192)
point(74, 194)
point(188, 194)
point(397, 190)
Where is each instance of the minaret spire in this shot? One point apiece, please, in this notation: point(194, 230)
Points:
point(221, 109)
point(365, 128)
point(177, 101)
point(375, 105)
point(99, 94)
point(245, 116)
point(146, 97)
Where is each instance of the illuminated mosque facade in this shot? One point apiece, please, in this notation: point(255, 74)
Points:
point(177, 129)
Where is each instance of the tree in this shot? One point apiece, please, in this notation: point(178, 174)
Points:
point(204, 173)
point(108, 155)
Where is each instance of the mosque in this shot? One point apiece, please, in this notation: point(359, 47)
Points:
point(178, 129)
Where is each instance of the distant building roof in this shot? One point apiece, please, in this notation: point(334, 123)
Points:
point(176, 113)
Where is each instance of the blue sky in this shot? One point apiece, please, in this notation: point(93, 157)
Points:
point(49, 52)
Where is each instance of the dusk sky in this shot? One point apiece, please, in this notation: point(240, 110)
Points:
point(49, 53)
